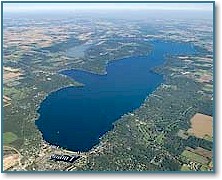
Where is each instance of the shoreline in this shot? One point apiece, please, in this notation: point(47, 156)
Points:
point(113, 123)
point(59, 72)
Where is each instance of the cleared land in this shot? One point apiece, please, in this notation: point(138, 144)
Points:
point(201, 126)
point(10, 160)
point(11, 157)
point(10, 73)
point(6, 101)
point(195, 157)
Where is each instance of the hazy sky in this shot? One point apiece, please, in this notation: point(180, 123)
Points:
point(21, 7)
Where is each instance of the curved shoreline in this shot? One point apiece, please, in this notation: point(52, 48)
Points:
point(140, 95)
point(80, 69)
point(59, 72)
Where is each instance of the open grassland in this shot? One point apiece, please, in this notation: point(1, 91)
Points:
point(9, 137)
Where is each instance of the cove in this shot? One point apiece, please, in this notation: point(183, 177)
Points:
point(76, 117)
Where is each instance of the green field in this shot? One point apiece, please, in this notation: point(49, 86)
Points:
point(9, 137)
point(160, 139)
point(195, 157)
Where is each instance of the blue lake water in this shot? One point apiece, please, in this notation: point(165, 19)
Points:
point(75, 117)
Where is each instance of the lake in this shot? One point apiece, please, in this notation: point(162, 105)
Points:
point(76, 117)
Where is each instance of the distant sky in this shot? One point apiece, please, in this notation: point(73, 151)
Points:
point(23, 7)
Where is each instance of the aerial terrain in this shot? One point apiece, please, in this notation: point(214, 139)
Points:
point(111, 90)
